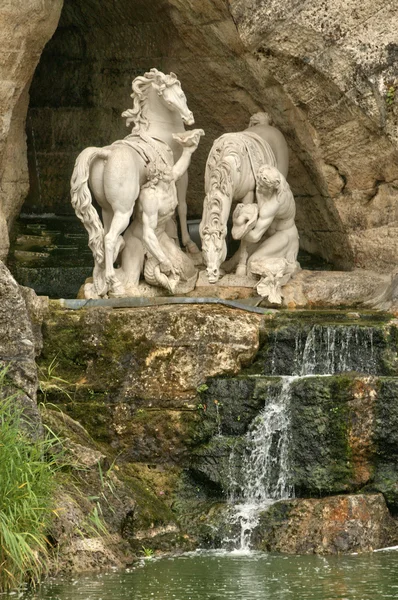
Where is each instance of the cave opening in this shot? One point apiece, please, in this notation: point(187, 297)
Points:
point(83, 83)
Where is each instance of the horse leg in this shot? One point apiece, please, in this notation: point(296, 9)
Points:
point(121, 188)
point(133, 257)
point(182, 186)
point(120, 222)
point(243, 248)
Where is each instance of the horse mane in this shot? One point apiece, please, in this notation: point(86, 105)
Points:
point(140, 87)
point(219, 184)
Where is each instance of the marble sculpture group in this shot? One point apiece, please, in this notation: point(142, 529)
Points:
point(140, 183)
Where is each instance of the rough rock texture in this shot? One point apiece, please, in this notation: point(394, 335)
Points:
point(104, 513)
point(336, 69)
point(340, 524)
point(170, 392)
point(325, 71)
point(321, 289)
point(26, 25)
point(17, 348)
point(133, 373)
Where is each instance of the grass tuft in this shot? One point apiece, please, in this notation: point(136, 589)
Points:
point(26, 489)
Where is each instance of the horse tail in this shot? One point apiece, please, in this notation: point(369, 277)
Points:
point(82, 200)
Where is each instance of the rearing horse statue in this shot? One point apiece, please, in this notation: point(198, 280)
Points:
point(231, 175)
point(116, 173)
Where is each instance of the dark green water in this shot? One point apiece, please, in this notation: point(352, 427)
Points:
point(251, 577)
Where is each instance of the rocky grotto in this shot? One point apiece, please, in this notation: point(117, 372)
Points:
point(215, 349)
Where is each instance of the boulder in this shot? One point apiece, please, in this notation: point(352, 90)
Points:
point(335, 525)
point(131, 376)
point(18, 350)
point(26, 27)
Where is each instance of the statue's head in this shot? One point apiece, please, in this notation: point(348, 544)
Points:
point(168, 89)
point(260, 118)
point(214, 248)
point(268, 178)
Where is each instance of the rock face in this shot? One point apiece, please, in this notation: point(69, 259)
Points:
point(327, 76)
point(104, 513)
point(133, 374)
point(17, 349)
point(26, 27)
point(340, 524)
point(165, 397)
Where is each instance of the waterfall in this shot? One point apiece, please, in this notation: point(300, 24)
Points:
point(329, 350)
point(266, 474)
point(266, 470)
point(326, 350)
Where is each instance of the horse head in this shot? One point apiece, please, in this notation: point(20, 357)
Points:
point(214, 250)
point(169, 89)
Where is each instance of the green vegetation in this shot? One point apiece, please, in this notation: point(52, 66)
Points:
point(26, 492)
point(147, 552)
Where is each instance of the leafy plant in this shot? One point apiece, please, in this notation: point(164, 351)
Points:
point(390, 95)
point(147, 552)
point(202, 388)
point(49, 381)
point(94, 524)
point(26, 492)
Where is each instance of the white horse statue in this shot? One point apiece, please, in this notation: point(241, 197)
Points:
point(116, 173)
point(231, 169)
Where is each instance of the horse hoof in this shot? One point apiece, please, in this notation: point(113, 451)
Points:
point(117, 290)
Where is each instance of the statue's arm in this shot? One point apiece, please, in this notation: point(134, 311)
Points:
point(189, 141)
point(267, 214)
point(149, 224)
point(183, 163)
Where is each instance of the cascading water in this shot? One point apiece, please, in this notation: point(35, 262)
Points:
point(266, 472)
point(325, 349)
point(333, 349)
point(266, 468)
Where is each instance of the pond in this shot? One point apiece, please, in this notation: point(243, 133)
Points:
point(254, 576)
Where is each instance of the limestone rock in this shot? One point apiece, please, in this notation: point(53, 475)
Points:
point(26, 27)
point(37, 307)
point(157, 354)
point(339, 524)
point(17, 348)
point(133, 373)
point(321, 289)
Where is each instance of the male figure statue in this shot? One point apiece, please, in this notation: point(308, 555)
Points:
point(270, 224)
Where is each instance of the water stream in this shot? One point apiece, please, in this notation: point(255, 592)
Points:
point(266, 473)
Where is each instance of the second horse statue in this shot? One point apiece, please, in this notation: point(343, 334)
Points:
point(251, 167)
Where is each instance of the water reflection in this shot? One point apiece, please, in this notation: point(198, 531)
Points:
point(220, 576)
